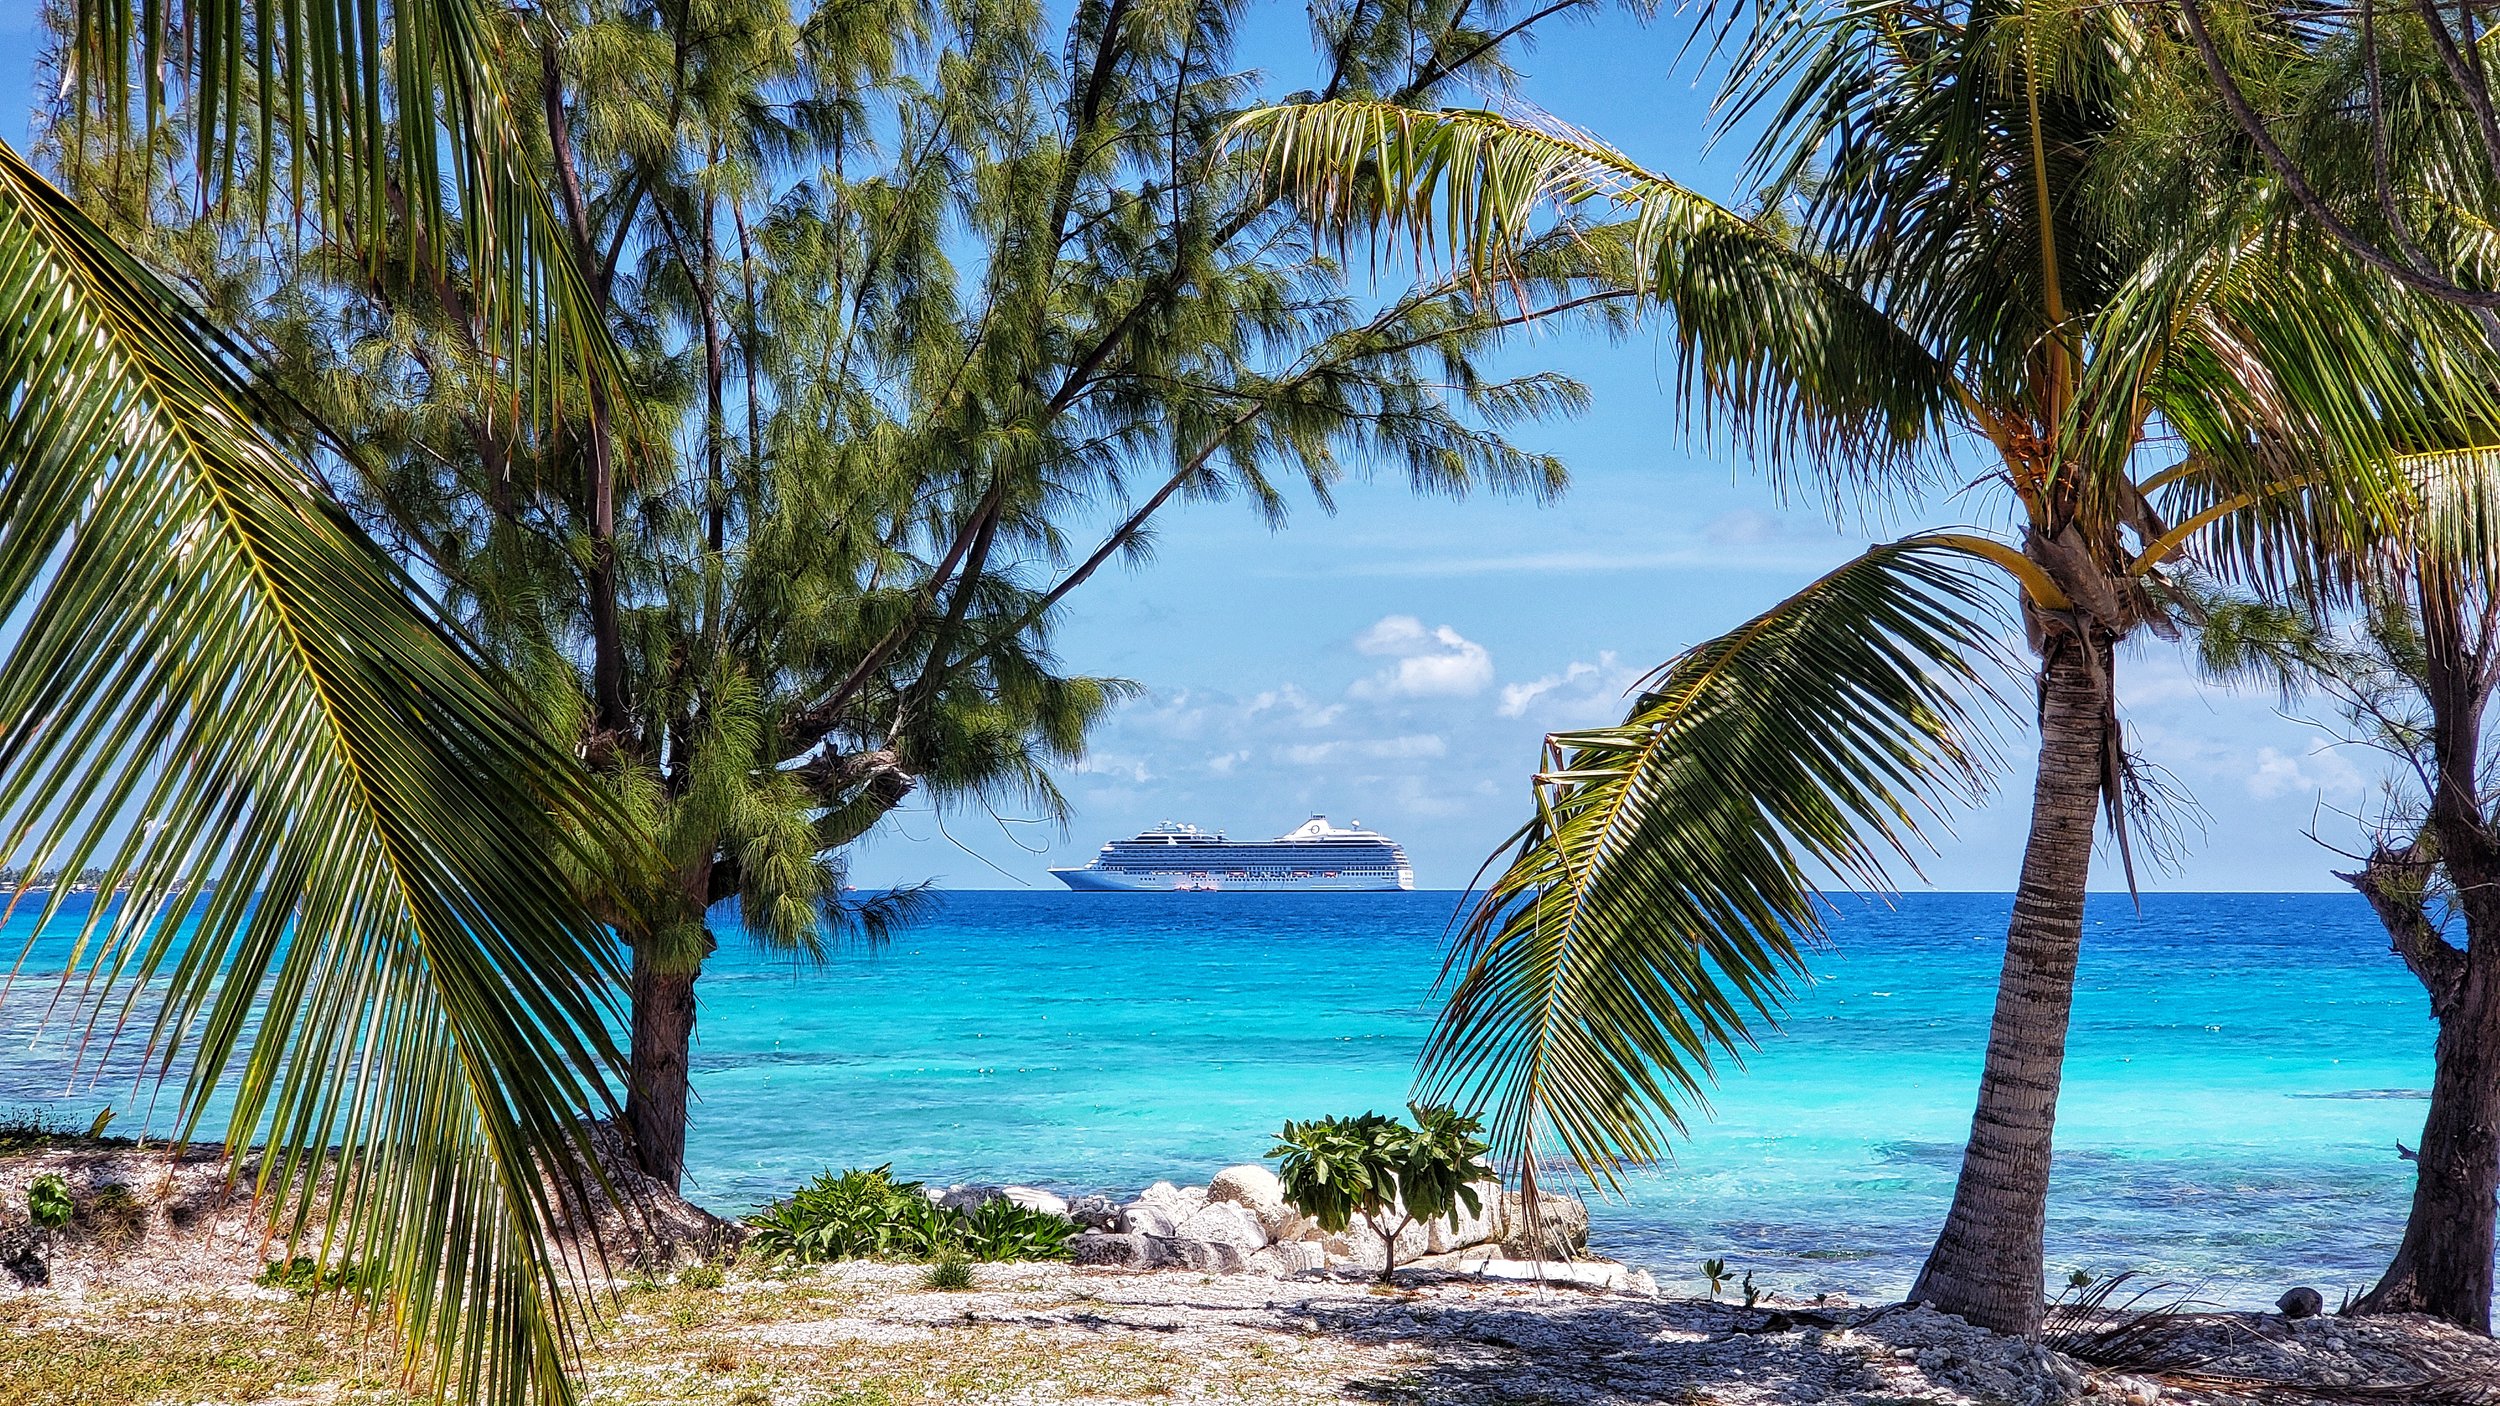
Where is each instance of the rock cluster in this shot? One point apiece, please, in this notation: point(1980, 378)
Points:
point(1240, 1223)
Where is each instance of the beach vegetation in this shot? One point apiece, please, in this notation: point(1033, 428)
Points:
point(704, 1276)
point(882, 365)
point(948, 1273)
point(226, 704)
point(869, 1215)
point(113, 1216)
point(1386, 1173)
point(1714, 1273)
point(48, 1203)
point(2412, 674)
point(1968, 264)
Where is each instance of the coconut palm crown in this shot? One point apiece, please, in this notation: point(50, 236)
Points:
point(1974, 261)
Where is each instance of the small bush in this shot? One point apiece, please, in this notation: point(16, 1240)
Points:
point(114, 1217)
point(701, 1276)
point(47, 1202)
point(869, 1215)
point(1389, 1174)
point(948, 1274)
point(305, 1276)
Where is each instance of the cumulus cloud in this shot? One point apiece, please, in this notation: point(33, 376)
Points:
point(1583, 690)
point(2278, 774)
point(1438, 662)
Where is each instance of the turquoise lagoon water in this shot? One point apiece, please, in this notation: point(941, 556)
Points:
point(2241, 1069)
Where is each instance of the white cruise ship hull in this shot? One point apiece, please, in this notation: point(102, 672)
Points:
point(1092, 880)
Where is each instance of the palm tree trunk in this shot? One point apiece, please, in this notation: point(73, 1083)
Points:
point(2444, 1265)
point(656, 1084)
point(1986, 1265)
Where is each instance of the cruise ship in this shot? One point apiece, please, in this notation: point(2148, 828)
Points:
point(1314, 856)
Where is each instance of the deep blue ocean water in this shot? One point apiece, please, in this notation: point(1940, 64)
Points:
point(2241, 1069)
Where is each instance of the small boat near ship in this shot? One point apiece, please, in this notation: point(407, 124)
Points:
point(1314, 856)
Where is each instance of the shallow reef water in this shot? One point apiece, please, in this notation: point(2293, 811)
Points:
point(2241, 1069)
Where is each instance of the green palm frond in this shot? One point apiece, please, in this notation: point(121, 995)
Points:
point(339, 851)
point(1790, 361)
point(1651, 914)
point(404, 142)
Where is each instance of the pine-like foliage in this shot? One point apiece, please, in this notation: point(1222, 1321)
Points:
point(924, 313)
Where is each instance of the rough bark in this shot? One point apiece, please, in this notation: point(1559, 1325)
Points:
point(656, 1088)
point(2443, 1266)
point(1986, 1265)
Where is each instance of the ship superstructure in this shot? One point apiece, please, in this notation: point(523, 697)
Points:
point(1314, 855)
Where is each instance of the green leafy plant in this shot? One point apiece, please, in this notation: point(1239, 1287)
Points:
point(950, 1273)
point(869, 1215)
point(48, 1203)
point(306, 1276)
point(1752, 1295)
point(1716, 1272)
point(2077, 1279)
point(1390, 1175)
point(702, 1276)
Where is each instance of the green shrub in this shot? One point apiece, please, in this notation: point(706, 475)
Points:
point(305, 1276)
point(1002, 1230)
point(948, 1273)
point(702, 1276)
point(48, 1203)
point(1378, 1168)
point(869, 1215)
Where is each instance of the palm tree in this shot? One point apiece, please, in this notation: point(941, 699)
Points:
point(1975, 238)
point(334, 854)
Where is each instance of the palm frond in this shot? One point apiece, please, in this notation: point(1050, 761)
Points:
point(405, 145)
point(335, 853)
point(1651, 914)
point(1789, 361)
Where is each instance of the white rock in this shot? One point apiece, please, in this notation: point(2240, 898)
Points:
point(1466, 1229)
point(1289, 1258)
point(1035, 1199)
point(1359, 1246)
point(1226, 1223)
point(1255, 1187)
point(1586, 1274)
point(968, 1195)
point(1148, 1218)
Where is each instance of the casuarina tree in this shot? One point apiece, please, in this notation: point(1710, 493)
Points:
point(927, 313)
point(2411, 673)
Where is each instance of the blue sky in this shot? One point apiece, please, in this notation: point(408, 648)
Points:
point(1399, 660)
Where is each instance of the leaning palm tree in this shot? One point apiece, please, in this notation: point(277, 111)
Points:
point(1978, 264)
point(337, 860)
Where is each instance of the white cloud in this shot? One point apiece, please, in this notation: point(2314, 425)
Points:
point(2277, 774)
point(1294, 705)
point(1413, 745)
point(1115, 766)
point(1582, 691)
point(1223, 765)
point(1431, 663)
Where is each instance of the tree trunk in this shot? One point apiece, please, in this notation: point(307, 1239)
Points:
point(2444, 1266)
point(655, 1095)
point(1986, 1265)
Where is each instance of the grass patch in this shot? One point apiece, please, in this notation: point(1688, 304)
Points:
point(199, 1350)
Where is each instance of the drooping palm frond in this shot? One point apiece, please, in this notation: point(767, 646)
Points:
point(335, 854)
point(1788, 360)
point(1651, 914)
point(405, 143)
